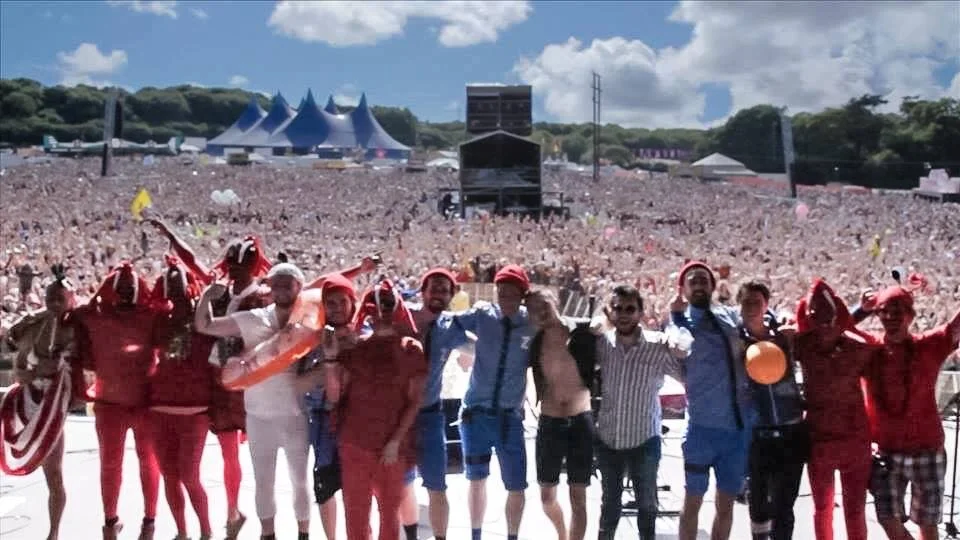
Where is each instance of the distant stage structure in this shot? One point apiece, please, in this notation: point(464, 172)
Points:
point(308, 129)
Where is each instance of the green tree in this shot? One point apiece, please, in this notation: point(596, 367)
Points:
point(574, 146)
point(18, 105)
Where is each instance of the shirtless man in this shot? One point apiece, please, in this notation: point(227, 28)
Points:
point(563, 363)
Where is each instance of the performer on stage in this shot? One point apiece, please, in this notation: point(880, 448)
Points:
point(492, 415)
point(780, 445)
point(274, 415)
point(375, 390)
point(834, 356)
point(180, 392)
point(439, 336)
point(339, 305)
point(565, 433)
point(718, 433)
point(116, 336)
point(43, 343)
point(244, 262)
point(904, 419)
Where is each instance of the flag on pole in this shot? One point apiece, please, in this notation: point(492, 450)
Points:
point(140, 203)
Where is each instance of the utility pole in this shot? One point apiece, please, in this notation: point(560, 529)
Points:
point(595, 86)
point(786, 134)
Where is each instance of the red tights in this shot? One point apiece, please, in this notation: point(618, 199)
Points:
point(112, 423)
point(232, 474)
point(364, 477)
point(179, 440)
point(852, 459)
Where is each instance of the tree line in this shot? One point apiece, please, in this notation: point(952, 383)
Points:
point(851, 142)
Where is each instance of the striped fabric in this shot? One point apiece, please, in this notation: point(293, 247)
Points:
point(30, 428)
point(632, 377)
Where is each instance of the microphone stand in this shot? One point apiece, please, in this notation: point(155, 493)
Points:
point(951, 527)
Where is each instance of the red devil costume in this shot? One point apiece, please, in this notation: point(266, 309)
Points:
point(834, 356)
point(378, 391)
point(242, 265)
point(904, 417)
point(116, 336)
point(33, 411)
point(180, 393)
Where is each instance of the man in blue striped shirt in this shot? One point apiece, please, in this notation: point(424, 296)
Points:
point(492, 416)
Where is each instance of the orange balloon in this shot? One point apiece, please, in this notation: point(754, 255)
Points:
point(766, 363)
point(283, 349)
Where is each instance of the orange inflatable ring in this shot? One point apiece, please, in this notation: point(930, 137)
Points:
point(766, 363)
point(275, 355)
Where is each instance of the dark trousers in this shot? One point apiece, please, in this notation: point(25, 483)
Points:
point(641, 463)
point(777, 456)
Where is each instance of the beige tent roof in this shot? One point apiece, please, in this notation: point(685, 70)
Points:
point(718, 160)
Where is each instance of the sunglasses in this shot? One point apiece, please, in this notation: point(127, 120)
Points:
point(624, 309)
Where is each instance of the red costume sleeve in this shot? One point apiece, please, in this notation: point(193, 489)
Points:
point(189, 259)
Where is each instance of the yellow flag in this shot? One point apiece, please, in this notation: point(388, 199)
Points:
point(141, 202)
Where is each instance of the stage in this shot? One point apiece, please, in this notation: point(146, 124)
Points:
point(23, 513)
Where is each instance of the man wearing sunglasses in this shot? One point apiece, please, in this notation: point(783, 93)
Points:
point(718, 432)
point(903, 415)
point(632, 362)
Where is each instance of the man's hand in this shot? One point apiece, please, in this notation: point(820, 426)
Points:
point(678, 304)
point(868, 301)
point(331, 344)
point(24, 376)
point(160, 226)
point(369, 264)
point(391, 452)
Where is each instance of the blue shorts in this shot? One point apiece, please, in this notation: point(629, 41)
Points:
point(484, 430)
point(725, 451)
point(431, 449)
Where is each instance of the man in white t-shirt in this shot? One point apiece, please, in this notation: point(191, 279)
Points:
point(275, 417)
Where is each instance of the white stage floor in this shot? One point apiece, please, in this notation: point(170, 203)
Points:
point(23, 513)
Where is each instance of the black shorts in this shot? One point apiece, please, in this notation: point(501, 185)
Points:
point(567, 440)
point(326, 481)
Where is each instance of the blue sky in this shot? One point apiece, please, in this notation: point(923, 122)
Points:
point(663, 63)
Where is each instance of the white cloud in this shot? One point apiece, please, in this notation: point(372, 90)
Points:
point(345, 24)
point(199, 13)
point(453, 106)
point(239, 80)
point(165, 8)
point(803, 55)
point(86, 64)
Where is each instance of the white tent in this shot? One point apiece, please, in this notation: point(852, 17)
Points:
point(718, 165)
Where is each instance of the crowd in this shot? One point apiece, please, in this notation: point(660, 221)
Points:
point(625, 228)
point(198, 291)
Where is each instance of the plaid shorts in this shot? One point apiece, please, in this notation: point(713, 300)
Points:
point(924, 471)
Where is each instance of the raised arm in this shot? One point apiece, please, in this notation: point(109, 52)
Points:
point(367, 265)
point(183, 252)
point(206, 323)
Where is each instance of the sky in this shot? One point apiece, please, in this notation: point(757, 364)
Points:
point(662, 64)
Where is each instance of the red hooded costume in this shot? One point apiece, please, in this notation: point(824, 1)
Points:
point(836, 415)
point(902, 403)
point(183, 376)
point(117, 343)
point(382, 395)
point(180, 392)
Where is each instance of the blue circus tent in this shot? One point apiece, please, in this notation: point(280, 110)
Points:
point(259, 135)
point(248, 118)
point(331, 106)
point(312, 128)
point(372, 137)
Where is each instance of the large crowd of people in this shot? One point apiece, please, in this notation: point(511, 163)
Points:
point(690, 276)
